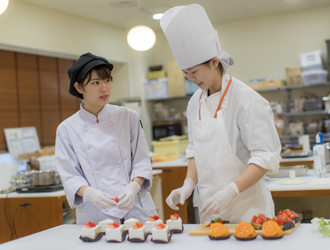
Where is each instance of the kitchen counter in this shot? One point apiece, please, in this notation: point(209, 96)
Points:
point(67, 237)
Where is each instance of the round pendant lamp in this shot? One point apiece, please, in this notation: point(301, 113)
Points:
point(141, 38)
point(3, 5)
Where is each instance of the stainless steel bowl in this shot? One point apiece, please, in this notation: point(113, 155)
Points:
point(21, 180)
point(43, 178)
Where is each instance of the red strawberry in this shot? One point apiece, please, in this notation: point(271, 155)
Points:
point(87, 226)
point(139, 224)
point(259, 221)
point(174, 217)
point(151, 218)
point(115, 224)
point(134, 226)
point(284, 215)
point(160, 226)
point(116, 199)
point(262, 216)
point(156, 217)
point(295, 214)
point(254, 219)
point(287, 211)
point(91, 223)
point(110, 225)
point(280, 213)
point(268, 218)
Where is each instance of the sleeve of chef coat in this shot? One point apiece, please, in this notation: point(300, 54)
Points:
point(259, 134)
point(190, 116)
point(68, 167)
point(141, 163)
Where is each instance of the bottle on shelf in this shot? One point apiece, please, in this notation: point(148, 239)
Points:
point(319, 156)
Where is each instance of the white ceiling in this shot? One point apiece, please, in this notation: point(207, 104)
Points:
point(129, 13)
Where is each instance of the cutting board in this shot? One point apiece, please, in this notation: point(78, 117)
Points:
point(202, 230)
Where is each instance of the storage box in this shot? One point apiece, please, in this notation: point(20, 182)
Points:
point(273, 84)
point(156, 74)
point(191, 87)
point(156, 88)
point(256, 85)
point(170, 149)
point(311, 60)
point(293, 77)
point(312, 104)
point(314, 76)
point(176, 80)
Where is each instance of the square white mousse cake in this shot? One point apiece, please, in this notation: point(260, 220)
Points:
point(128, 223)
point(104, 224)
point(115, 234)
point(161, 234)
point(174, 224)
point(137, 233)
point(152, 224)
point(91, 232)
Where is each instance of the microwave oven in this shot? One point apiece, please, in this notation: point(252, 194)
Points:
point(164, 129)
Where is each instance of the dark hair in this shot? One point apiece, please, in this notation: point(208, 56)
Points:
point(219, 66)
point(102, 71)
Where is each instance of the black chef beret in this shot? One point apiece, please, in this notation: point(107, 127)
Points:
point(83, 65)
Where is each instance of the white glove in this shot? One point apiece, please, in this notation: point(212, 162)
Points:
point(180, 194)
point(220, 200)
point(129, 193)
point(98, 198)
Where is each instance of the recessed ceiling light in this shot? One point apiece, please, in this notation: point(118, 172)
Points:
point(157, 16)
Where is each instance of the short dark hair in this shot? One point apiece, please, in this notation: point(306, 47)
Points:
point(219, 66)
point(102, 71)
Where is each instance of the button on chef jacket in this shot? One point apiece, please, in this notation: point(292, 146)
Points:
point(106, 156)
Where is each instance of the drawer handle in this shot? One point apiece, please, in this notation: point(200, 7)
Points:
point(167, 170)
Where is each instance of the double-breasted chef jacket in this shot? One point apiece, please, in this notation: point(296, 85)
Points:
point(106, 155)
point(250, 136)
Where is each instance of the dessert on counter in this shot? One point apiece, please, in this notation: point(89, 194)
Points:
point(137, 233)
point(175, 224)
point(115, 232)
point(271, 230)
point(245, 231)
point(218, 231)
point(151, 223)
point(104, 224)
point(128, 223)
point(91, 232)
point(161, 233)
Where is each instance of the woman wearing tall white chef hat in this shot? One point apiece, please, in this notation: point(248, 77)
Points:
point(233, 141)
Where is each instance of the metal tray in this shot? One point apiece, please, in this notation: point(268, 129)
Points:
point(301, 170)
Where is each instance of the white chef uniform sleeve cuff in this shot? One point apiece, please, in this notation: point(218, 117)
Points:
point(190, 151)
point(266, 160)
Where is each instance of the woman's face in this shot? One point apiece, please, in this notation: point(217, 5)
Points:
point(96, 92)
point(204, 75)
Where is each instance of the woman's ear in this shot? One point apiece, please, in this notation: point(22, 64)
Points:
point(215, 62)
point(78, 87)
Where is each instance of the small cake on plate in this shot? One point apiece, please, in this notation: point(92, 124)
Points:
point(115, 232)
point(91, 232)
point(137, 233)
point(104, 224)
point(175, 224)
point(271, 230)
point(161, 234)
point(152, 222)
point(245, 231)
point(218, 231)
point(130, 222)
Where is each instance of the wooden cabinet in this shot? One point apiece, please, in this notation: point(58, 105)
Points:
point(42, 214)
point(172, 178)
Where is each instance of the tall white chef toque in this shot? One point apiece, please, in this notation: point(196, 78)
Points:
point(191, 36)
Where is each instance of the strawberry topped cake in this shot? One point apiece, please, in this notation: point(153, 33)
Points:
point(137, 233)
point(104, 224)
point(161, 233)
point(115, 232)
point(151, 223)
point(128, 223)
point(175, 224)
point(91, 232)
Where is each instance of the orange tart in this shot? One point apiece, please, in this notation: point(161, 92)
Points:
point(218, 232)
point(271, 230)
point(245, 231)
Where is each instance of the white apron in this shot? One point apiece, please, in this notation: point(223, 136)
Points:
point(217, 166)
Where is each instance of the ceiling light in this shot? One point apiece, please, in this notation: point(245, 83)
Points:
point(3, 5)
point(141, 38)
point(157, 16)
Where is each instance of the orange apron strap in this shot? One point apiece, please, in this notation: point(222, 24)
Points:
point(222, 97)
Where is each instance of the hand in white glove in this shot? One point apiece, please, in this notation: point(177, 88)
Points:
point(220, 200)
point(129, 194)
point(180, 194)
point(98, 198)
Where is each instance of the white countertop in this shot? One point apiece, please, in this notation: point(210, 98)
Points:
point(67, 237)
point(310, 158)
point(50, 194)
point(276, 186)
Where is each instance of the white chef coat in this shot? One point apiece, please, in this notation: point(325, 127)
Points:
point(249, 122)
point(106, 156)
